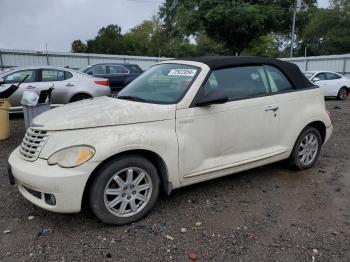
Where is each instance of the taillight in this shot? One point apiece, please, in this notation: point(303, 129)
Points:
point(102, 82)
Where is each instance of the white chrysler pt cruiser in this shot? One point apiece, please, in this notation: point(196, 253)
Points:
point(181, 122)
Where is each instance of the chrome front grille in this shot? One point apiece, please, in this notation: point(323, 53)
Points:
point(32, 144)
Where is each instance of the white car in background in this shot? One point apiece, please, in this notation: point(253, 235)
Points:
point(331, 83)
point(69, 85)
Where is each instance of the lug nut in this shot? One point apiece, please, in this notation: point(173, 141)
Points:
point(123, 195)
point(129, 197)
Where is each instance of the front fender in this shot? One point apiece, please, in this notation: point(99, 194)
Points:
point(158, 137)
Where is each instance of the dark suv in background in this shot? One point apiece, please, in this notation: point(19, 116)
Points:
point(119, 75)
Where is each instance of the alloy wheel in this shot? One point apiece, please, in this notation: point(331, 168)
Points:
point(308, 149)
point(342, 94)
point(128, 192)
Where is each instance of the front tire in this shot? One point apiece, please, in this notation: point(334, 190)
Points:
point(124, 190)
point(306, 149)
point(342, 94)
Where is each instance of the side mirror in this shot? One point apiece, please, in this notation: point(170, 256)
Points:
point(315, 79)
point(2, 81)
point(214, 97)
point(90, 73)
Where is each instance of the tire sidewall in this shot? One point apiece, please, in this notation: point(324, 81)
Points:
point(96, 190)
point(294, 159)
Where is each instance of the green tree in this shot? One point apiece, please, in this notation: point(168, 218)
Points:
point(78, 46)
point(328, 31)
point(109, 40)
point(234, 23)
point(265, 45)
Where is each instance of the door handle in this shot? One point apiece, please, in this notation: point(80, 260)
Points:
point(69, 84)
point(271, 108)
point(30, 87)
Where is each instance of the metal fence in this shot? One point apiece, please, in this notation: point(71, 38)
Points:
point(10, 58)
point(335, 63)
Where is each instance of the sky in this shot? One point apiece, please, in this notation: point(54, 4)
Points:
point(31, 24)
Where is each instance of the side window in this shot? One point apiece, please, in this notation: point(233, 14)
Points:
point(331, 76)
point(98, 70)
point(118, 70)
point(238, 82)
point(49, 75)
point(67, 75)
point(321, 76)
point(278, 81)
point(19, 76)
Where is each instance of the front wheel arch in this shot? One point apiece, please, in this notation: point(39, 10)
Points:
point(151, 156)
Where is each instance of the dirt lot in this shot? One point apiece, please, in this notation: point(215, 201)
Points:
point(266, 214)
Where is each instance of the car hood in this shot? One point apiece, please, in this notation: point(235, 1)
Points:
point(102, 111)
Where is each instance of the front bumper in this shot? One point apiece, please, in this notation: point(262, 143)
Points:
point(65, 184)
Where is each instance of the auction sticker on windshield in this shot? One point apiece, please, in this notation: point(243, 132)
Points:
point(182, 72)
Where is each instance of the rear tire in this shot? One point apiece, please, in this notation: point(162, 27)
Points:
point(79, 97)
point(124, 190)
point(342, 94)
point(306, 149)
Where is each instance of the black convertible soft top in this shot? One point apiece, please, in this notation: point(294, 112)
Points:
point(292, 71)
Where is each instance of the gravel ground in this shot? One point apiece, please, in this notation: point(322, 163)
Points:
point(267, 214)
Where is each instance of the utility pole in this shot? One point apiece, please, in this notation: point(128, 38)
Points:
point(47, 55)
point(296, 9)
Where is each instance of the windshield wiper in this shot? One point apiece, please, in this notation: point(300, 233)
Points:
point(132, 98)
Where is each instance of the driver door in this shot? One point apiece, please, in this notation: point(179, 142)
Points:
point(218, 137)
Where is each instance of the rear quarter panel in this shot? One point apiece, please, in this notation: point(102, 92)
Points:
point(297, 110)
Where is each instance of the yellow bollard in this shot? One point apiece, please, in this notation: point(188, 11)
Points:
point(4, 119)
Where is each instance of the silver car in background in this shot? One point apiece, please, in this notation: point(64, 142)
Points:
point(69, 85)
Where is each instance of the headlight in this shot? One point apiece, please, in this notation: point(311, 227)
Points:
point(71, 156)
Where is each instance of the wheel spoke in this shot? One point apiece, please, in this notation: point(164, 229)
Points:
point(303, 158)
point(129, 176)
point(113, 191)
point(139, 178)
point(143, 187)
point(114, 202)
point(123, 207)
point(119, 181)
point(133, 205)
point(308, 158)
point(302, 152)
point(141, 197)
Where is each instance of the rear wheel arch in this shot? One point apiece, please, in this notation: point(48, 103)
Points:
point(75, 96)
point(320, 126)
point(151, 156)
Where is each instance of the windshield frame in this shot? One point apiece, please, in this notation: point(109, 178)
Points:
point(199, 69)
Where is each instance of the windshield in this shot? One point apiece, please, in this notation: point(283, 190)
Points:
point(161, 84)
point(308, 75)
